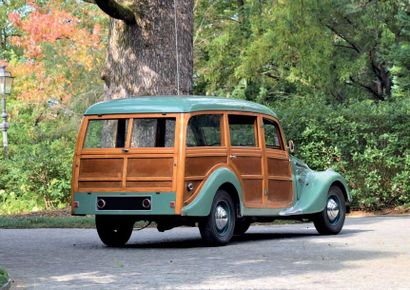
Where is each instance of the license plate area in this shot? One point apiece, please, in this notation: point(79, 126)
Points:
point(123, 203)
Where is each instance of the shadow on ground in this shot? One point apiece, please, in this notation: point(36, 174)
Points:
point(179, 258)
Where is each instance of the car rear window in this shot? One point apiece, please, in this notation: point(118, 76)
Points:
point(106, 133)
point(153, 132)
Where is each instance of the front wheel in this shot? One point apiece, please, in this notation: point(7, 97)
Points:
point(114, 231)
point(330, 221)
point(217, 228)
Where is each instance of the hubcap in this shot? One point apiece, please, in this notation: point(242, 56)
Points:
point(332, 209)
point(221, 217)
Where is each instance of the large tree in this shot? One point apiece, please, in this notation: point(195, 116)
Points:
point(149, 48)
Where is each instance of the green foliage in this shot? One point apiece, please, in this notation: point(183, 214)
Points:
point(366, 141)
point(269, 50)
point(57, 77)
point(37, 175)
point(4, 277)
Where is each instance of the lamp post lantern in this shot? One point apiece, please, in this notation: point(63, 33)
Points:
point(6, 80)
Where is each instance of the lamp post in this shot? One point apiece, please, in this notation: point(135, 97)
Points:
point(6, 80)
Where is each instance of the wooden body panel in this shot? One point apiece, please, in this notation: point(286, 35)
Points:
point(112, 169)
point(264, 174)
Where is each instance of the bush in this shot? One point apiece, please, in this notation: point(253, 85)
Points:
point(37, 173)
point(366, 141)
point(4, 277)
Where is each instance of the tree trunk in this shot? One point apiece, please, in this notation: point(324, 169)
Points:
point(143, 58)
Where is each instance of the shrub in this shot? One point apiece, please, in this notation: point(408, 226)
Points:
point(37, 173)
point(366, 141)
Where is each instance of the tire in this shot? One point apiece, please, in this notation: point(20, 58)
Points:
point(330, 221)
point(241, 226)
point(217, 228)
point(114, 231)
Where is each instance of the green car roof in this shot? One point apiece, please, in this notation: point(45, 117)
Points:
point(175, 104)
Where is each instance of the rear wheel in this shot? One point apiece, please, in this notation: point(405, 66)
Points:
point(217, 228)
point(114, 231)
point(330, 221)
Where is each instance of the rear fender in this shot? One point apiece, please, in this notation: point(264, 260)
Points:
point(201, 205)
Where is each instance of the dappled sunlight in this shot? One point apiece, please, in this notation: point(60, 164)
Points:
point(89, 277)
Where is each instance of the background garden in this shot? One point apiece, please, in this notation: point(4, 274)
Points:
point(336, 73)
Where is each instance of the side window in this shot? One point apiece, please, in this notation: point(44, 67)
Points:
point(153, 132)
point(242, 130)
point(106, 133)
point(272, 135)
point(204, 130)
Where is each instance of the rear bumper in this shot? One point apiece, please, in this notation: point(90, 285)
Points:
point(85, 203)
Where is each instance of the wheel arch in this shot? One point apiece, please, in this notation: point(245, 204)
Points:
point(232, 191)
point(344, 190)
point(221, 178)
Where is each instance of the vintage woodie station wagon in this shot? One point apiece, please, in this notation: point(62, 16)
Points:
point(216, 163)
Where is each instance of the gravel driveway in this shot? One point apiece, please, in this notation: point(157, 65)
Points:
point(371, 253)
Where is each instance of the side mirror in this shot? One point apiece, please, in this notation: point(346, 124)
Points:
point(291, 146)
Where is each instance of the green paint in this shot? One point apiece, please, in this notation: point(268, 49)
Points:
point(201, 205)
point(262, 211)
point(312, 188)
point(159, 203)
point(175, 104)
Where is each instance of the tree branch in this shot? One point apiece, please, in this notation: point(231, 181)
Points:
point(375, 94)
point(355, 47)
point(115, 10)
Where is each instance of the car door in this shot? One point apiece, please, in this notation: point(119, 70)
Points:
point(245, 156)
point(279, 183)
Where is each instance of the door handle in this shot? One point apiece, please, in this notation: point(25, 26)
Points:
point(232, 156)
point(124, 150)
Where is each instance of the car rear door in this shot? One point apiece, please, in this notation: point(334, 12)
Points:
point(279, 183)
point(246, 156)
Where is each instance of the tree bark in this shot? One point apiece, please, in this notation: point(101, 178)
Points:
point(148, 55)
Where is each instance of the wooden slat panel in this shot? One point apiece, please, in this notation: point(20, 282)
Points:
point(199, 166)
point(278, 167)
point(248, 165)
point(253, 190)
point(155, 167)
point(280, 193)
point(99, 167)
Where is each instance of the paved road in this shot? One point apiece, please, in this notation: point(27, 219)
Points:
point(371, 253)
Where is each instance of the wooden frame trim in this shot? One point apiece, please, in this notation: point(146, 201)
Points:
point(159, 178)
point(280, 178)
point(97, 179)
point(249, 177)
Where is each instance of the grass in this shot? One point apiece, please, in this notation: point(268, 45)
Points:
point(4, 277)
point(29, 222)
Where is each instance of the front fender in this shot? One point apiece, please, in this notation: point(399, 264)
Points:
point(201, 205)
point(314, 195)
